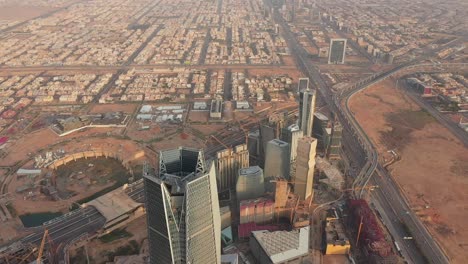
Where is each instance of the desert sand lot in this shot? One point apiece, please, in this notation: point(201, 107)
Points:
point(103, 108)
point(433, 170)
point(21, 13)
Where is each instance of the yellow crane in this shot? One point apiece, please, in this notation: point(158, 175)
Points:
point(368, 188)
point(41, 248)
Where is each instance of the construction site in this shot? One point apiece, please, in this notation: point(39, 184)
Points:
point(242, 145)
point(68, 178)
point(19, 253)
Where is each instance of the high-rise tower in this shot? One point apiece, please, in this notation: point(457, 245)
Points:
point(182, 207)
point(305, 164)
point(306, 111)
point(277, 160)
point(334, 148)
point(250, 183)
point(291, 135)
point(337, 52)
point(228, 163)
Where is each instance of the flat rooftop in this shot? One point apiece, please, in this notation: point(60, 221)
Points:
point(114, 204)
point(284, 245)
point(278, 142)
point(321, 116)
point(250, 170)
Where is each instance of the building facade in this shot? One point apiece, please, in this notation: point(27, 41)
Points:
point(228, 164)
point(291, 135)
point(250, 183)
point(277, 159)
point(305, 164)
point(182, 207)
point(337, 52)
point(306, 111)
point(334, 148)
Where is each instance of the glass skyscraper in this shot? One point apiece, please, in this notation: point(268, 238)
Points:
point(182, 208)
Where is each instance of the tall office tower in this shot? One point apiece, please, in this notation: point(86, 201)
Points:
point(335, 142)
point(228, 163)
point(306, 111)
point(183, 215)
point(337, 52)
point(322, 131)
point(250, 183)
point(277, 160)
point(254, 143)
point(305, 164)
point(303, 85)
point(267, 134)
point(291, 135)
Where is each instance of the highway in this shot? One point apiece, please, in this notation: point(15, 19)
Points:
point(83, 222)
point(388, 200)
point(388, 197)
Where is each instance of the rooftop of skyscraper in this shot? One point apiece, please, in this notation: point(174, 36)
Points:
point(179, 166)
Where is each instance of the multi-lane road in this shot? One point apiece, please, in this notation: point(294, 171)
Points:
point(388, 198)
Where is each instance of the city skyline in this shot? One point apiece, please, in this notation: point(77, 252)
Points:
point(233, 131)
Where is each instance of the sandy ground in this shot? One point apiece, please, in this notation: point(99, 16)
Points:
point(433, 171)
point(21, 13)
point(98, 250)
point(288, 60)
point(176, 140)
point(135, 132)
point(335, 259)
point(31, 143)
point(209, 129)
point(199, 116)
point(103, 108)
point(294, 74)
point(45, 139)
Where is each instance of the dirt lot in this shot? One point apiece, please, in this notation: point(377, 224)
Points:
point(288, 60)
point(20, 13)
point(29, 144)
point(101, 252)
point(433, 171)
point(294, 74)
point(103, 108)
point(45, 139)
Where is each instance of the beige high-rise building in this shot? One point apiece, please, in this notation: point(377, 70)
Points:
point(305, 164)
point(228, 164)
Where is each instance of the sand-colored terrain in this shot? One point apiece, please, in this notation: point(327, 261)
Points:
point(293, 73)
point(99, 251)
point(21, 13)
point(31, 143)
point(103, 108)
point(433, 171)
point(128, 151)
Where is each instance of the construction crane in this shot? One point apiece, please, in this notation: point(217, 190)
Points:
point(246, 132)
point(41, 248)
point(23, 260)
point(368, 188)
point(220, 142)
